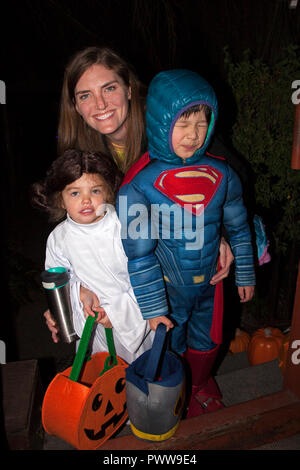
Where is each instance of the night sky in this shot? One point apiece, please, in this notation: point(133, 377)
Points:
point(38, 37)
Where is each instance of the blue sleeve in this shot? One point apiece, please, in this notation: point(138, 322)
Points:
point(237, 227)
point(134, 211)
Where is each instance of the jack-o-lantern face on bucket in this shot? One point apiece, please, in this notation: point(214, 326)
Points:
point(105, 409)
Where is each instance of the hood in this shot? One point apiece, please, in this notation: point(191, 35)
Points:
point(170, 94)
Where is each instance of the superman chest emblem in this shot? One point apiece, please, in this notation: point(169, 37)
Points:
point(193, 188)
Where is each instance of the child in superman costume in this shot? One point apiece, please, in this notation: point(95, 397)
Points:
point(171, 205)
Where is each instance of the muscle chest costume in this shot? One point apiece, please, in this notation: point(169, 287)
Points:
point(171, 212)
point(94, 256)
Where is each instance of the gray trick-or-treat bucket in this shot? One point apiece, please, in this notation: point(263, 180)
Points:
point(155, 391)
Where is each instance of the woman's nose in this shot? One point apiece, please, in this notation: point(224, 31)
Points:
point(100, 101)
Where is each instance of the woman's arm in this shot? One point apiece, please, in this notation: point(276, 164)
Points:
point(226, 259)
point(51, 324)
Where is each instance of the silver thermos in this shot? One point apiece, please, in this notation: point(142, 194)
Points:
point(56, 284)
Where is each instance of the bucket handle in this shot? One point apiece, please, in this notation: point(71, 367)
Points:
point(110, 361)
point(156, 351)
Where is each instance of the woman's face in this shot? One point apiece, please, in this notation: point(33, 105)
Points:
point(102, 99)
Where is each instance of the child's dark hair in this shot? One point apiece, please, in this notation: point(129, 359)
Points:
point(67, 168)
point(197, 108)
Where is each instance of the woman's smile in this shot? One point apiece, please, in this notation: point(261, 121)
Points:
point(102, 117)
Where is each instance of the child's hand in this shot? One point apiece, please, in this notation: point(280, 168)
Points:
point(96, 310)
point(246, 293)
point(102, 318)
point(154, 322)
point(101, 314)
point(105, 321)
point(90, 301)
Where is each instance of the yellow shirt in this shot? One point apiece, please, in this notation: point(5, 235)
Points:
point(119, 149)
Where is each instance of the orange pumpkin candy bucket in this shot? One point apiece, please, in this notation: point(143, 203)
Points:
point(86, 404)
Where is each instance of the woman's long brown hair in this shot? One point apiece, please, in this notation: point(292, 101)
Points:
point(73, 132)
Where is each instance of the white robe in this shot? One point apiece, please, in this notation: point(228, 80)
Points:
point(95, 258)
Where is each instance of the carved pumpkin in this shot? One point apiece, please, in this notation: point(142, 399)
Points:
point(86, 413)
point(240, 342)
point(283, 352)
point(264, 345)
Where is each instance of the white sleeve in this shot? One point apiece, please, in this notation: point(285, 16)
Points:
point(129, 326)
point(56, 258)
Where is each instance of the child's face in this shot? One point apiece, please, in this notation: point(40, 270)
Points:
point(83, 197)
point(189, 134)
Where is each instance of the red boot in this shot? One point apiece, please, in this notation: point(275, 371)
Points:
point(205, 392)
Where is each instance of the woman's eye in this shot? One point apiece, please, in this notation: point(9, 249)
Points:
point(110, 88)
point(96, 191)
point(74, 193)
point(83, 97)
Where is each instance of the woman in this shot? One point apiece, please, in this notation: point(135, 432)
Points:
point(102, 109)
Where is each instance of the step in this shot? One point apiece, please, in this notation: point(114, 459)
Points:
point(248, 383)
point(232, 362)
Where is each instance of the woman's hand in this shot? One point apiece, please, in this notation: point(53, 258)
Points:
point(154, 322)
point(50, 322)
point(226, 259)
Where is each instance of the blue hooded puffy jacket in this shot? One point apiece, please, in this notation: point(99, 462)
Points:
point(159, 250)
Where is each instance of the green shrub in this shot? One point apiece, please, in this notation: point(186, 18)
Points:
point(263, 134)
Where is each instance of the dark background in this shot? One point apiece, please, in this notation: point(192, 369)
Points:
point(39, 36)
point(37, 39)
